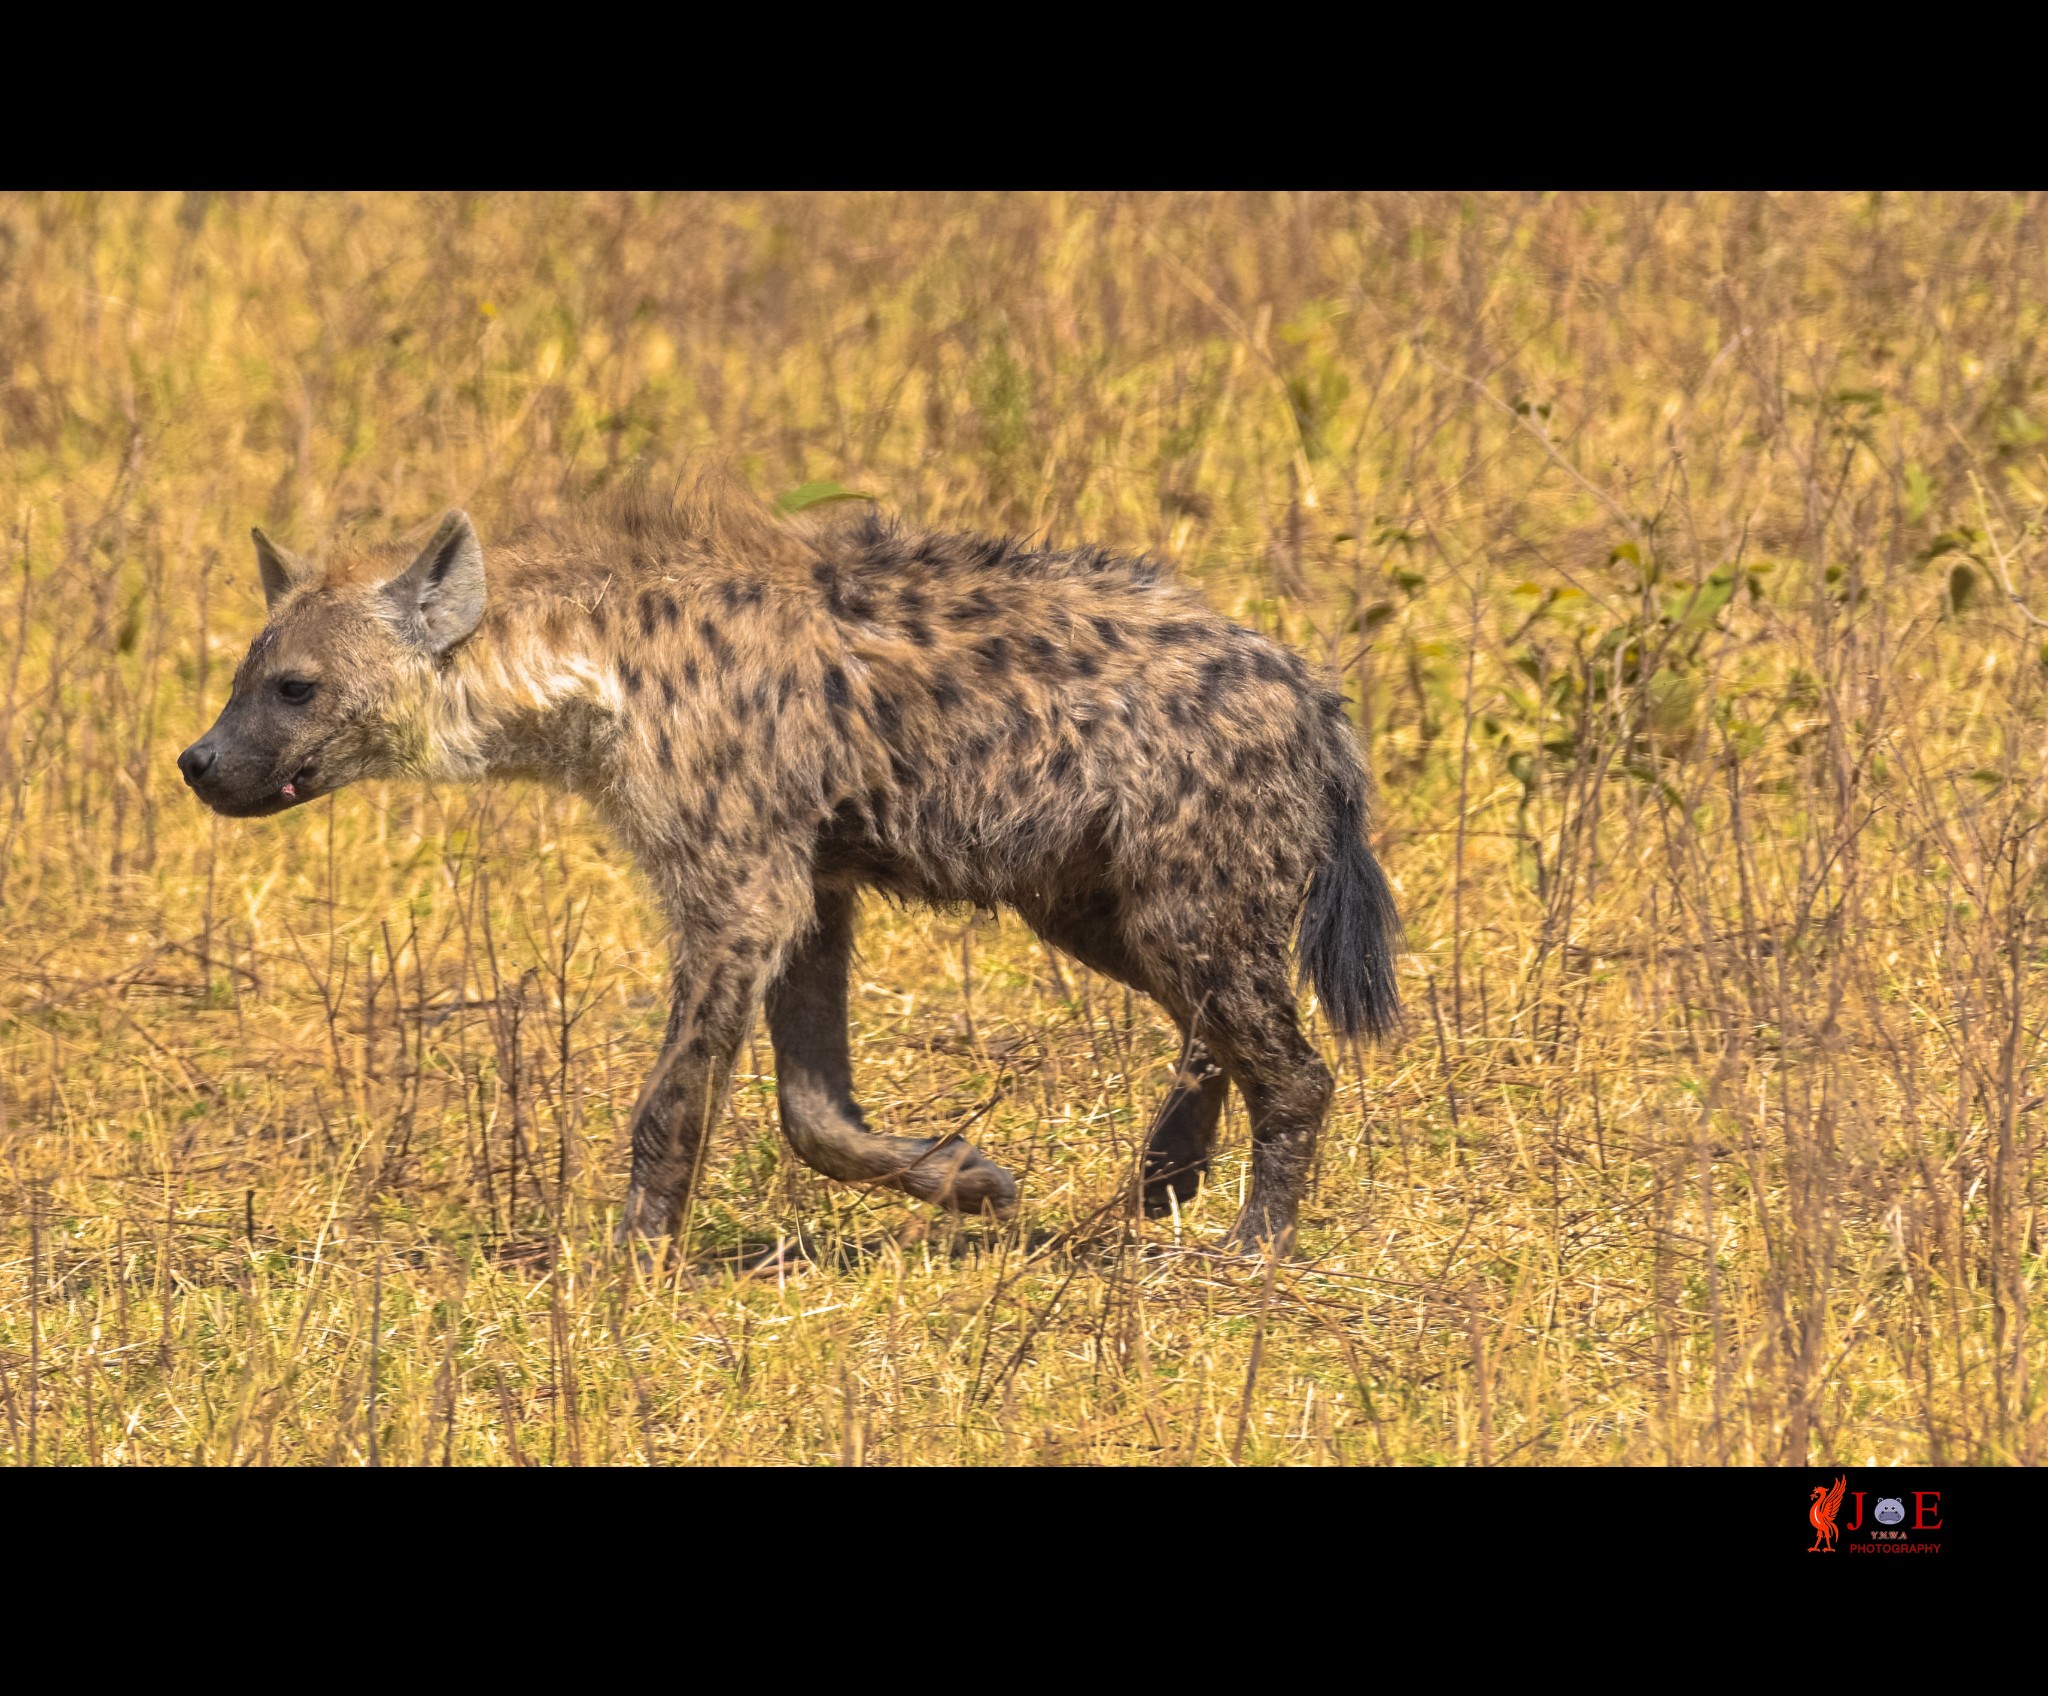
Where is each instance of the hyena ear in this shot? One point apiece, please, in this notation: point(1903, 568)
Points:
point(439, 598)
point(281, 572)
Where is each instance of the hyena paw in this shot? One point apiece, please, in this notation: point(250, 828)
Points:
point(1262, 1228)
point(959, 1176)
point(1171, 1181)
point(646, 1218)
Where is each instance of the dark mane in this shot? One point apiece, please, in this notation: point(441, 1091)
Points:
point(701, 513)
point(882, 544)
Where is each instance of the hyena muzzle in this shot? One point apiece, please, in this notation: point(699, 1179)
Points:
point(775, 716)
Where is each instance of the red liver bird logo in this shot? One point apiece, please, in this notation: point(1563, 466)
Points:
point(1826, 1504)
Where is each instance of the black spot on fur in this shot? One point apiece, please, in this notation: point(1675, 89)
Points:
point(835, 688)
point(977, 608)
point(1218, 672)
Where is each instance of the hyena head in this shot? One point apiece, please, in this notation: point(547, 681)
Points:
point(333, 689)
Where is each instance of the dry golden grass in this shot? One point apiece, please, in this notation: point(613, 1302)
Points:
point(1665, 544)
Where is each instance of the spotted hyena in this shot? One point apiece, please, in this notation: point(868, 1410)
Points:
point(774, 716)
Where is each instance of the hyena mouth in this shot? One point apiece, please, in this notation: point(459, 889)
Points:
point(300, 786)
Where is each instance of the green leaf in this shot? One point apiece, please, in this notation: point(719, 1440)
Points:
point(1962, 587)
point(1699, 609)
point(816, 494)
point(131, 627)
point(1919, 493)
point(1955, 541)
point(2020, 431)
point(1672, 699)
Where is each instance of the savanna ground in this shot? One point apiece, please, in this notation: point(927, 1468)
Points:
point(1682, 558)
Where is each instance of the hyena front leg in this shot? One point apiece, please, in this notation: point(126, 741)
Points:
point(814, 1085)
point(716, 991)
point(1183, 1136)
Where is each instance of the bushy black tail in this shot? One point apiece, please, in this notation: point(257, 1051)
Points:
point(1350, 930)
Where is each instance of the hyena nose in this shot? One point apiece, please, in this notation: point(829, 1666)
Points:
point(195, 762)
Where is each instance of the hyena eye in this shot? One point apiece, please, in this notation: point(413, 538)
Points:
point(295, 689)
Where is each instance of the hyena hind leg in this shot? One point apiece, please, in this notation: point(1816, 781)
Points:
point(1183, 1135)
point(814, 1086)
point(1287, 1090)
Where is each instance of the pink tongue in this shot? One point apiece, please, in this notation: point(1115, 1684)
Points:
point(291, 792)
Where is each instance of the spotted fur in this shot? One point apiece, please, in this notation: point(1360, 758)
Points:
point(775, 717)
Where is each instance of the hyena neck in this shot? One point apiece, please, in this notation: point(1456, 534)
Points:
point(529, 696)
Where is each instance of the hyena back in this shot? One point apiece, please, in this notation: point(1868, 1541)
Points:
point(774, 717)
